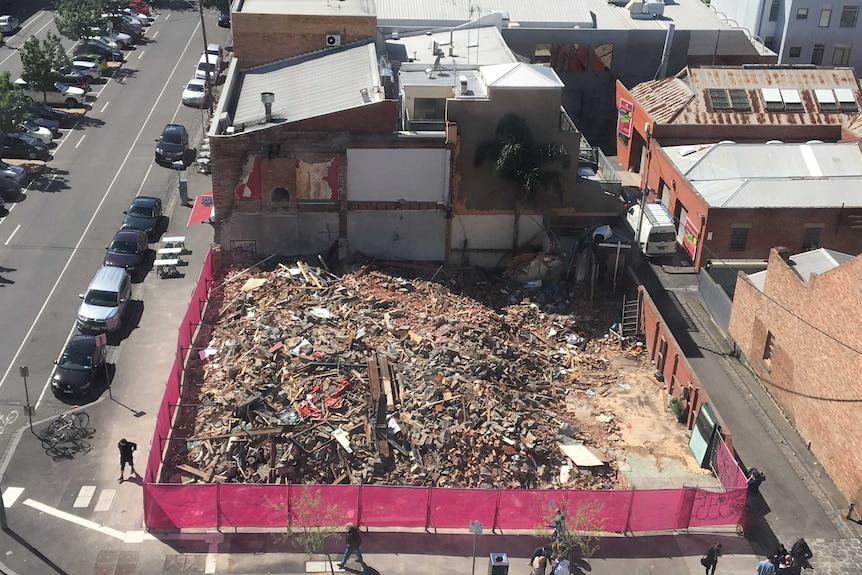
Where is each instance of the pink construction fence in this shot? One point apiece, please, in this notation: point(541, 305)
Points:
point(169, 506)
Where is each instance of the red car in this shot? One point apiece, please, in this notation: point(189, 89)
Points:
point(140, 7)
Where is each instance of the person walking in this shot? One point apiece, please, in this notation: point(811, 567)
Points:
point(354, 541)
point(801, 551)
point(710, 558)
point(127, 448)
point(539, 561)
point(765, 567)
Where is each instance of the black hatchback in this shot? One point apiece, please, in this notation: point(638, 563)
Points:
point(172, 146)
point(80, 366)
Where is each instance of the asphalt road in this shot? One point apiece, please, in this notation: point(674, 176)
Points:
point(52, 240)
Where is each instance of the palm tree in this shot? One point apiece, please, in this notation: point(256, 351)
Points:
point(518, 160)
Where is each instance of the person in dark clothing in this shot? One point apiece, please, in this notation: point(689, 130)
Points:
point(127, 448)
point(778, 555)
point(540, 552)
point(710, 558)
point(801, 551)
point(354, 540)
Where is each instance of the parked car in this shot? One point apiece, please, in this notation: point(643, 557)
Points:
point(90, 70)
point(107, 42)
point(8, 24)
point(208, 61)
point(122, 39)
point(75, 79)
point(144, 215)
point(12, 173)
point(93, 47)
point(142, 18)
point(23, 146)
point(51, 125)
point(140, 7)
point(224, 19)
point(94, 59)
point(195, 93)
point(172, 146)
point(9, 189)
point(59, 94)
point(44, 134)
point(48, 113)
point(80, 366)
point(127, 250)
point(105, 301)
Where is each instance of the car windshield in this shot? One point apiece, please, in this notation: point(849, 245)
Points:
point(75, 360)
point(172, 138)
point(141, 211)
point(195, 87)
point(101, 298)
point(205, 65)
point(28, 139)
point(61, 86)
point(119, 247)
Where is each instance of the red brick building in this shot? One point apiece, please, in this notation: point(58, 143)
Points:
point(799, 326)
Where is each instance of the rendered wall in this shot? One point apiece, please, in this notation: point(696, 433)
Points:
point(293, 234)
point(398, 174)
point(398, 234)
point(489, 238)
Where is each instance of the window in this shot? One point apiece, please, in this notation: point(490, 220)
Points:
point(825, 17)
point(773, 10)
point(795, 51)
point(841, 55)
point(768, 348)
point(811, 241)
point(849, 14)
point(738, 237)
point(802, 14)
point(817, 54)
point(429, 109)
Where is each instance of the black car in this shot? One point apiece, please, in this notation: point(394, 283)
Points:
point(45, 123)
point(224, 19)
point(74, 78)
point(23, 146)
point(127, 250)
point(93, 47)
point(144, 214)
point(172, 146)
point(47, 112)
point(80, 366)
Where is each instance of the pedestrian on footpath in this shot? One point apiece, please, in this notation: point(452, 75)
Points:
point(561, 566)
point(127, 449)
point(539, 567)
point(765, 567)
point(354, 541)
point(801, 551)
point(710, 558)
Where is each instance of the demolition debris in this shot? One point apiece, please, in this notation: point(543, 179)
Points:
point(372, 378)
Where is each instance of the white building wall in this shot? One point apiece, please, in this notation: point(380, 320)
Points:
point(489, 238)
point(413, 175)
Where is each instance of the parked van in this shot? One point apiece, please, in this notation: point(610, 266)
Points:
point(657, 230)
point(105, 301)
point(214, 64)
point(215, 50)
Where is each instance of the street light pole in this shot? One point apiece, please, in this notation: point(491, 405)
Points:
point(25, 372)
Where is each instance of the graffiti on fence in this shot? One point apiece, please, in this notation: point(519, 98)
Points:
point(718, 507)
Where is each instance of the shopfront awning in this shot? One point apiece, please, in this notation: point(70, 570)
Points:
point(202, 210)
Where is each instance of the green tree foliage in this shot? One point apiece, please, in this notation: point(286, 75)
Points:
point(518, 160)
point(310, 523)
point(41, 60)
point(75, 18)
point(13, 105)
point(574, 529)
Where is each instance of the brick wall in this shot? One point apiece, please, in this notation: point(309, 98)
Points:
point(262, 38)
point(679, 378)
point(813, 372)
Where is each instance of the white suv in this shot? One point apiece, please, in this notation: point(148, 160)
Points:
point(62, 94)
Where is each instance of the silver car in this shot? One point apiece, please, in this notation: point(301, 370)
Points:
point(105, 301)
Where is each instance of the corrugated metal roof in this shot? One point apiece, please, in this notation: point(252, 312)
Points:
point(731, 175)
point(819, 261)
point(520, 75)
point(683, 14)
point(530, 13)
point(685, 99)
point(310, 7)
point(304, 87)
point(473, 47)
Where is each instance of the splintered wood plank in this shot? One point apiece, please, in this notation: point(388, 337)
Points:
point(387, 382)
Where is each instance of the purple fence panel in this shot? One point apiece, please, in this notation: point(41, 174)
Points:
point(597, 510)
point(176, 506)
point(526, 509)
point(726, 468)
point(455, 508)
point(658, 509)
point(392, 506)
point(338, 504)
point(253, 505)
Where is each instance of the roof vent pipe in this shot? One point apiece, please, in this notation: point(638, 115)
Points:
point(267, 98)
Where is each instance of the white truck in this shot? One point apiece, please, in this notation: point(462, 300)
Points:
point(657, 228)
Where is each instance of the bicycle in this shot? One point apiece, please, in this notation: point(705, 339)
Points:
point(68, 426)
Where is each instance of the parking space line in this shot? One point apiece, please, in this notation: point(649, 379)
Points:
point(10, 496)
point(14, 52)
point(18, 227)
point(75, 519)
point(141, 55)
point(156, 33)
point(85, 494)
point(81, 140)
point(105, 106)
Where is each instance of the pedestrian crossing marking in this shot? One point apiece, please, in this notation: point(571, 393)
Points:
point(106, 498)
point(85, 494)
point(11, 495)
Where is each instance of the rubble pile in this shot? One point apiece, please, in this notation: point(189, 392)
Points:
point(374, 378)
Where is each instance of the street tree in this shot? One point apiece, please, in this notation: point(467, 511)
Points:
point(528, 167)
point(574, 529)
point(75, 19)
point(13, 105)
point(310, 522)
point(41, 60)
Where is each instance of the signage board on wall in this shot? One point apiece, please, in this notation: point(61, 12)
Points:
point(689, 238)
point(624, 118)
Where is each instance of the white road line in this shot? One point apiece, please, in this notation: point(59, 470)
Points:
point(48, 382)
point(105, 107)
point(14, 52)
point(141, 188)
point(212, 553)
point(75, 519)
point(141, 55)
point(85, 494)
point(93, 218)
point(168, 17)
point(79, 141)
point(155, 34)
point(6, 243)
point(106, 498)
point(10, 496)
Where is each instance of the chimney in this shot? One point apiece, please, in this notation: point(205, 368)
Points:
point(784, 254)
point(462, 80)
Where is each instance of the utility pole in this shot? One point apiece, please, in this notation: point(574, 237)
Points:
point(208, 79)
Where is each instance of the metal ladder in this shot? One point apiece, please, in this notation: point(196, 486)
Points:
point(630, 317)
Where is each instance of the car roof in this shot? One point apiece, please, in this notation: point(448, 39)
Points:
point(129, 235)
point(145, 201)
point(198, 81)
point(173, 128)
point(107, 278)
point(82, 343)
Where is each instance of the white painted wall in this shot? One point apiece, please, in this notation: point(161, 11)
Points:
point(398, 234)
point(418, 175)
point(491, 232)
